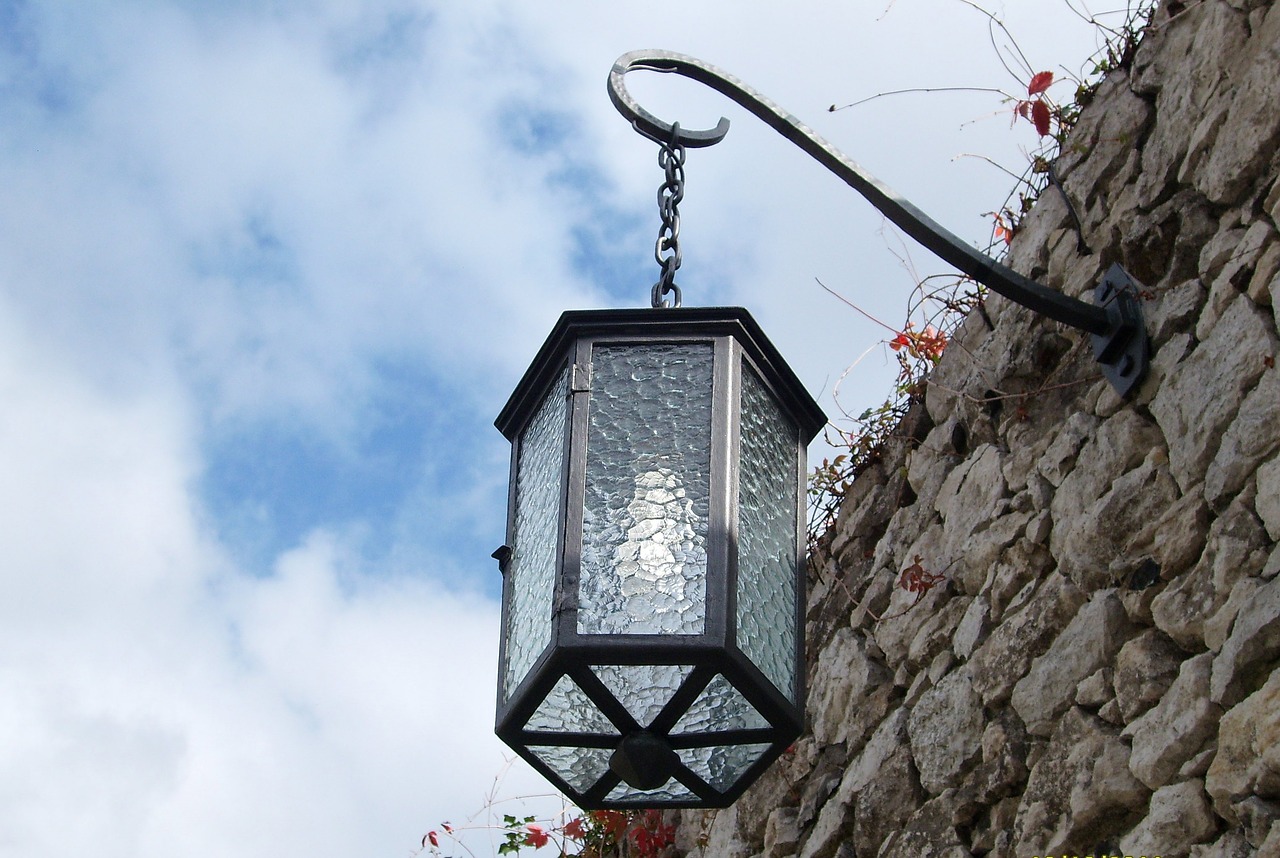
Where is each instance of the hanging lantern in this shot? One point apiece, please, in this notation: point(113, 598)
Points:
point(653, 594)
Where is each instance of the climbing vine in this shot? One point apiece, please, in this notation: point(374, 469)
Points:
point(939, 304)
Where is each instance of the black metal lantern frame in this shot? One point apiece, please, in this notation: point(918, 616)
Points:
point(623, 687)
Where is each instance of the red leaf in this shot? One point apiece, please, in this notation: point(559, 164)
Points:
point(536, 837)
point(431, 835)
point(1040, 116)
point(1039, 82)
point(574, 828)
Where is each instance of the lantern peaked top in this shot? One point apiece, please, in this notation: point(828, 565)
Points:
point(1120, 342)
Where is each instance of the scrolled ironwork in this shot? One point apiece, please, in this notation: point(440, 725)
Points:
point(1119, 339)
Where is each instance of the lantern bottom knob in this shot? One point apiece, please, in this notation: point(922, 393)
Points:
point(644, 760)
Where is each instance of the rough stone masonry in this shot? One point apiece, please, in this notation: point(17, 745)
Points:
point(1100, 672)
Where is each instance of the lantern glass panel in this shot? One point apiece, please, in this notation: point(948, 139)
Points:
point(539, 480)
point(671, 791)
point(719, 707)
point(767, 533)
point(580, 768)
point(648, 484)
point(568, 709)
point(643, 688)
point(721, 765)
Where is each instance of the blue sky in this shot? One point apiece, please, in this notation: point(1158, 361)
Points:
point(269, 270)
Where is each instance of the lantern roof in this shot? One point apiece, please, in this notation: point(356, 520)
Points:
point(650, 323)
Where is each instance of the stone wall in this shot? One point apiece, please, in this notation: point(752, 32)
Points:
point(1099, 673)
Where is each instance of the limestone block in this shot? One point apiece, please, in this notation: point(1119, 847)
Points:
point(1251, 438)
point(930, 831)
point(1174, 730)
point(1271, 569)
point(903, 616)
point(954, 379)
point(1089, 641)
point(1109, 450)
point(1259, 288)
point(1248, 760)
point(992, 834)
point(1015, 576)
point(1202, 394)
point(1179, 814)
point(1223, 248)
point(1060, 457)
point(881, 778)
point(781, 833)
point(884, 804)
point(1233, 550)
point(1259, 818)
point(848, 697)
point(929, 464)
point(1274, 290)
point(1003, 769)
point(971, 495)
point(1251, 130)
point(1145, 667)
point(723, 837)
point(973, 627)
point(1230, 845)
point(1176, 537)
point(823, 778)
point(1254, 643)
point(976, 553)
point(1267, 503)
point(1096, 689)
point(1079, 791)
point(1187, 60)
point(1103, 140)
point(1218, 626)
point(1271, 847)
point(1230, 273)
point(1039, 528)
point(1023, 634)
point(1085, 544)
point(945, 729)
point(1174, 309)
point(936, 630)
point(1027, 443)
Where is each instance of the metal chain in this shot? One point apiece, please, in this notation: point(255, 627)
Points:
point(666, 250)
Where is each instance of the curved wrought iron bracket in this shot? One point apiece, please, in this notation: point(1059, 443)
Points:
point(1120, 341)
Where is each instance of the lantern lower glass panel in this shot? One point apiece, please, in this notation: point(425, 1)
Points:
point(580, 768)
point(767, 527)
point(643, 688)
point(671, 791)
point(648, 484)
point(568, 709)
point(719, 707)
point(532, 568)
point(722, 765)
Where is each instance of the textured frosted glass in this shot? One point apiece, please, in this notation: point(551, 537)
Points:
point(533, 558)
point(643, 688)
point(720, 707)
point(767, 510)
point(672, 790)
point(722, 765)
point(568, 709)
point(580, 767)
point(644, 555)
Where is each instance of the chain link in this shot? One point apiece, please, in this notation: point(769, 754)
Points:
point(666, 250)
